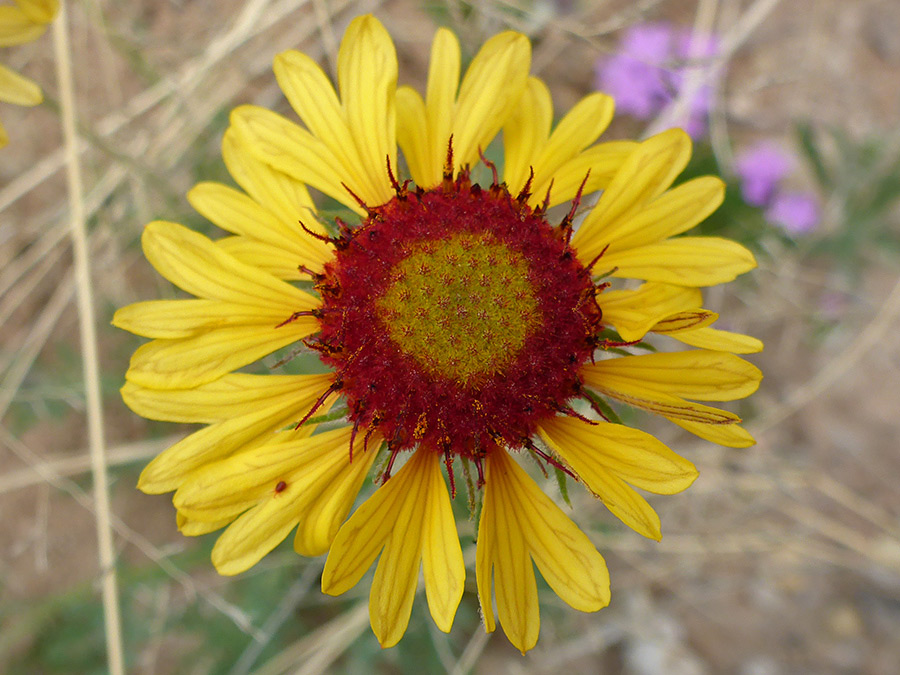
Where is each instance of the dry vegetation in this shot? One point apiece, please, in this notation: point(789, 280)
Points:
point(783, 558)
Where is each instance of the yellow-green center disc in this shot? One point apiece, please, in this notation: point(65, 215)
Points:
point(461, 307)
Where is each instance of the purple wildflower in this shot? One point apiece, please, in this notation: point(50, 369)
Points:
point(697, 46)
point(760, 169)
point(796, 212)
point(641, 78)
point(697, 51)
point(649, 42)
point(635, 77)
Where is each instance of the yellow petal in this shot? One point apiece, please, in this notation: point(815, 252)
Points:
point(633, 455)
point(513, 573)
point(195, 528)
point(672, 213)
point(4, 137)
point(17, 28)
point(525, 134)
point(274, 260)
point(581, 126)
point(174, 319)
point(645, 174)
point(323, 519)
point(39, 11)
point(235, 212)
point(311, 95)
point(520, 522)
point(696, 318)
point(413, 137)
point(275, 191)
point(196, 264)
point(254, 534)
point(442, 561)
point(361, 538)
point(223, 439)
point(440, 103)
point(485, 553)
point(284, 146)
point(686, 261)
point(598, 165)
point(288, 478)
point(192, 361)
point(636, 394)
point(490, 90)
point(397, 574)
point(622, 501)
point(729, 435)
point(18, 90)
point(697, 374)
point(230, 396)
point(302, 462)
point(635, 312)
point(567, 559)
point(367, 78)
point(409, 516)
point(713, 338)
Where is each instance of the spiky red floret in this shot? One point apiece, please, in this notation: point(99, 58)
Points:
point(388, 388)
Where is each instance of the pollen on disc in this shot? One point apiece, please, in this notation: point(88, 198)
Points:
point(461, 306)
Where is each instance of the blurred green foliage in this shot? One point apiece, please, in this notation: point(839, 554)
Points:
point(861, 177)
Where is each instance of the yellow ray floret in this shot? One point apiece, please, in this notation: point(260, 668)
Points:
point(358, 128)
point(39, 11)
point(17, 89)
point(286, 147)
point(662, 383)
point(688, 261)
point(609, 457)
point(237, 326)
point(520, 523)
point(489, 92)
point(560, 160)
point(289, 481)
point(411, 519)
point(674, 311)
point(194, 528)
point(695, 374)
point(285, 197)
point(635, 312)
point(348, 142)
point(721, 340)
point(237, 213)
point(23, 23)
point(267, 404)
point(635, 216)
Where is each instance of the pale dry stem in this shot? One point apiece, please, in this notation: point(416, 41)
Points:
point(84, 294)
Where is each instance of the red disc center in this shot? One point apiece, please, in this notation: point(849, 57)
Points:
point(456, 318)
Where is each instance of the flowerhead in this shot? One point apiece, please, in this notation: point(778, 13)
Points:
point(25, 22)
point(650, 70)
point(636, 75)
point(464, 332)
point(796, 212)
point(761, 169)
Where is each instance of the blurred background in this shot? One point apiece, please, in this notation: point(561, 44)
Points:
point(782, 558)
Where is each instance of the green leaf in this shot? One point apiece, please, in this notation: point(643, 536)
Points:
point(807, 140)
point(561, 479)
point(604, 407)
